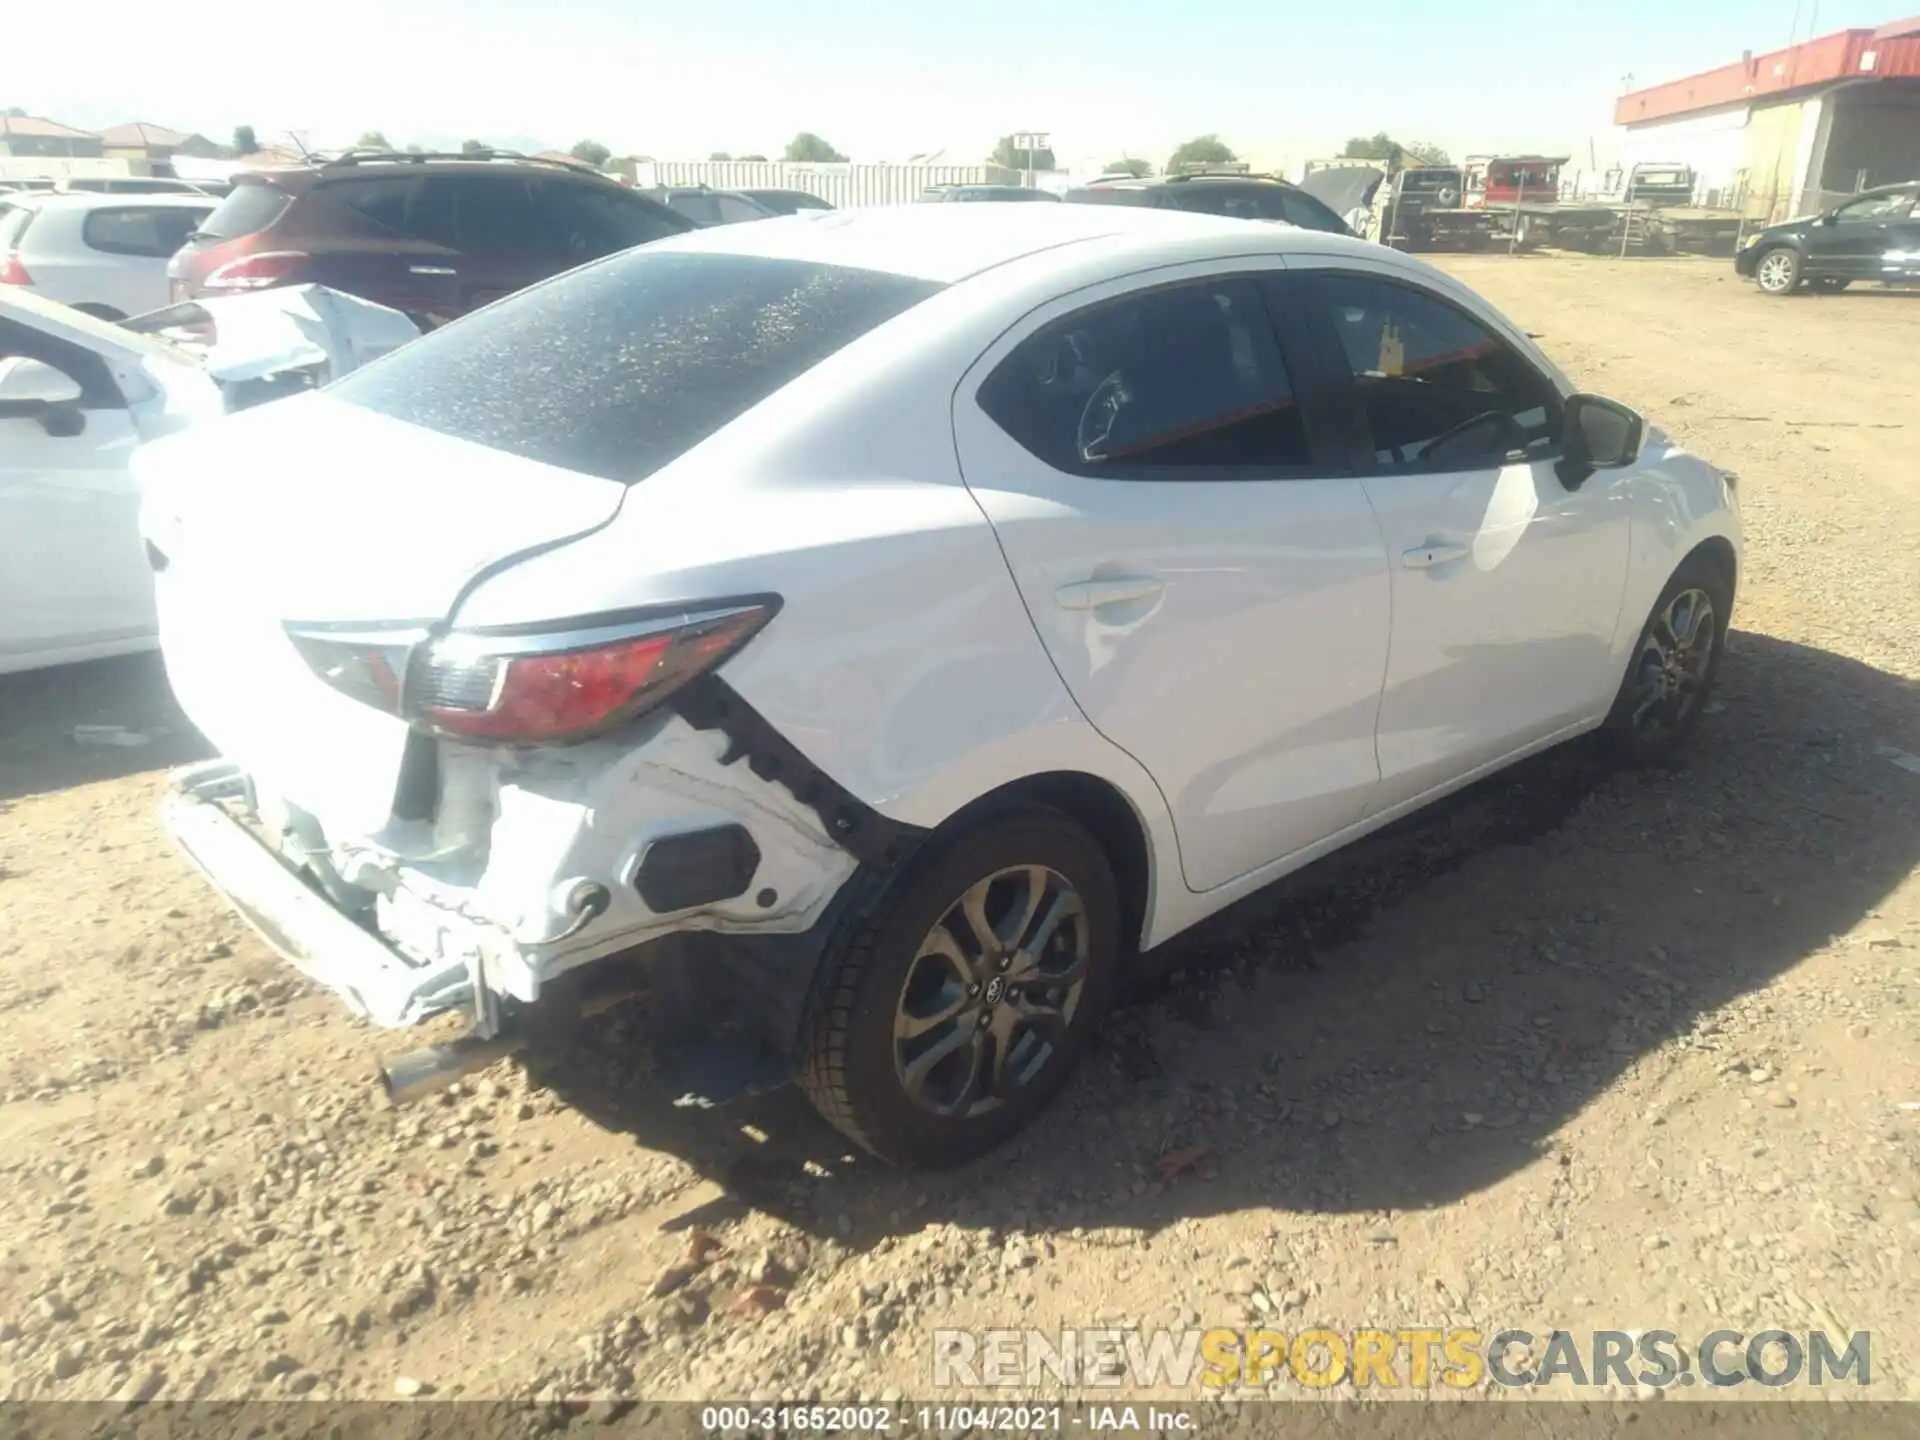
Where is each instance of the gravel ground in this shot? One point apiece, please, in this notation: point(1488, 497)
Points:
point(1589, 1050)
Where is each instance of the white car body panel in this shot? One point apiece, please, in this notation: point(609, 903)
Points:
point(75, 583)
point(918, 659)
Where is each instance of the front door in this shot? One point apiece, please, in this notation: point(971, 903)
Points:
point(1851, 243)
point(1506, 585)
point(74, 581)
point(1209, 583)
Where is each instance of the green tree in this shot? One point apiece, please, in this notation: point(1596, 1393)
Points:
point(416, 148)
point(809, 147)
point(719, 155)
point(14, 112)
point(755, 159)
point(373, 140)
point(244, 142)
point(590, 152)
point(1139, 169)
point(1201, 150)
point(472, 147)
point(1007, 154)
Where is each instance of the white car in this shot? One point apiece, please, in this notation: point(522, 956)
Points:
point(897, 622)
point(104, 254)
point(78, 395)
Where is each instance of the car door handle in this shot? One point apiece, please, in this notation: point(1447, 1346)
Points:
point(1092, 594)
point(1425, 557)
point(432, 270)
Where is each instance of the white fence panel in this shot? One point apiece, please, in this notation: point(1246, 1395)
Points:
point(844, 186)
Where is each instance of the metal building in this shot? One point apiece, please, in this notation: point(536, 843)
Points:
point(1792, 131)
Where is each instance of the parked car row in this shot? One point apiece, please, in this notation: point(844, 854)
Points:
point(436, 236)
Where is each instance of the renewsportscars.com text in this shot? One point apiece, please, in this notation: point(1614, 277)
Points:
point(1402, 1358)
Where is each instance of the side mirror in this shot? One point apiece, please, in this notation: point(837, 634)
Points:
point(34, 390)
point(32, 381)
point(1599, 434)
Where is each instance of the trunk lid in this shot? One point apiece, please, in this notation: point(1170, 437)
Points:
point(314, 512)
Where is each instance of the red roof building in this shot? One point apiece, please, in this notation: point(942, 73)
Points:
point(1790, 131)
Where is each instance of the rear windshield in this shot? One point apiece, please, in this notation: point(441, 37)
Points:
point(251, 207)
point(617, 368)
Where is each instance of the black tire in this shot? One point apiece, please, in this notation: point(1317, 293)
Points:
point(1627, 731)
point(1777, 271)
point(854, 1067)
point(1829, 286)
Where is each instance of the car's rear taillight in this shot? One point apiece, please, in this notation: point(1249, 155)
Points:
point(256, 272)
point(12, 272)
point(532, 688)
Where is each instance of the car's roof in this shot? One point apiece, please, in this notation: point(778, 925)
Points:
point(99, 200)
point(946, 243)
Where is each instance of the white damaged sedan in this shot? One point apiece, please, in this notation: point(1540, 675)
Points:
point(894, 625)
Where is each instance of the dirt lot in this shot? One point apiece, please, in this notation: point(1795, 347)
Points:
point(1591, 1050)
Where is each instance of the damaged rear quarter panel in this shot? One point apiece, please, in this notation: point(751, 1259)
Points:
point(516, 830)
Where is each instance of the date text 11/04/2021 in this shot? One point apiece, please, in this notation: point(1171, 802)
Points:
point(1156, 1419)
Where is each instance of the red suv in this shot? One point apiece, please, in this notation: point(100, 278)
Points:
point(431, 235)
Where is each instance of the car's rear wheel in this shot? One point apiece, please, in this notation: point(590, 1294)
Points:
point(1674, 665)
point(957, 1007)
point(1778, 271)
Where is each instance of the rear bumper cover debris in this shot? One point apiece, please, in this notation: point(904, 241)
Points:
point(372, 978)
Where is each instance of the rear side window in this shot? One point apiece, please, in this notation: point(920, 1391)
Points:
point(1243, 202)
point(701, 209)
point(150, 231)
point(584, 221)
point(1440, 391)
point(617, 368)
point(246, 211)
point(1184, 380)
point(1106, 195)
point(406, 207)
point(733, 211)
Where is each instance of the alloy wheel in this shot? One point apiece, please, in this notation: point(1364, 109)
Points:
point(990, 996)
point(1776, 272)
point(1671, 669)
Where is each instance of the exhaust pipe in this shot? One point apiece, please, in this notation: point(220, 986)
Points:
point(419, 1073)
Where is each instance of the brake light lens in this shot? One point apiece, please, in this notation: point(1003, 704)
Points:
point(256, 272)
point(12, 272)
point(532, 689)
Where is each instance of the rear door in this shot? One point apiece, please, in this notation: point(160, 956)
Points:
point(1210, 582)
point(1507, 586)
point(128, 248)
point(396, 243)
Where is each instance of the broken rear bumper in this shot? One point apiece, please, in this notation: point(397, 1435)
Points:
point(373, 979)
